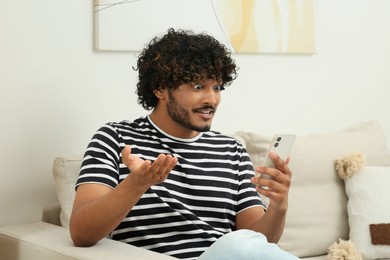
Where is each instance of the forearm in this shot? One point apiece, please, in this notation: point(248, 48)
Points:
point(98, 210)
point(93, 220)
point(272, 225)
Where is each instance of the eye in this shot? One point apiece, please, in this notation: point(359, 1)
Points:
point(219, 88)
point(198, 87)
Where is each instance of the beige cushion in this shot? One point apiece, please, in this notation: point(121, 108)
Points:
point(368, 194)
point(65, 173)
point(317, 214)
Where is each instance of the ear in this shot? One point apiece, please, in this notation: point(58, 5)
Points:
point(160, 93)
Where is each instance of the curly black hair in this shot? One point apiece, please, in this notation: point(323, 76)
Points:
point(181, 57)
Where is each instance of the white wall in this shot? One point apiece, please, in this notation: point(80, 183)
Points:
point(56, 91)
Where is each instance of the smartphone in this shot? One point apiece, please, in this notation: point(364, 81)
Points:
point(281, 144)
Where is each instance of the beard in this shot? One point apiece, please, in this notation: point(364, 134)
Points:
point(182, 116)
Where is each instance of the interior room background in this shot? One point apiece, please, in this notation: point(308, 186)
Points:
point(56, 91)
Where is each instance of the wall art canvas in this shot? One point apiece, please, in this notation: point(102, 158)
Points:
point(245, 26)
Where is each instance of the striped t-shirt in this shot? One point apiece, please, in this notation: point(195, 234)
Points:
point(194, 206)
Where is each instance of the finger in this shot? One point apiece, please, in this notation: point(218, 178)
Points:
point(288, 159)
point(271, 188)
point(171, 163)
point(276, 159)
point(126, 155)
point(145, 165)
point(260, 182)
point(276, 181)
point(157, 164)
point(268, 173)
point(280, 164)
point(277, 193)
point(168, 162)
point(164, 164)
point(271, 194)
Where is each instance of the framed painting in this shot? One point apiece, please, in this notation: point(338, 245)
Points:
point(245, 26)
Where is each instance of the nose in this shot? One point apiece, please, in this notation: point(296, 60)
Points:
point(211, 96)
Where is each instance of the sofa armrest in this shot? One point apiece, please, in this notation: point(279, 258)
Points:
point(51, 214)
point(42, 240)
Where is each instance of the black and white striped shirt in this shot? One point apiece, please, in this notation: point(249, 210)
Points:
point(198, 201)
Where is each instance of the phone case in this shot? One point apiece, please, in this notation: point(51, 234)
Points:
point(281, 144)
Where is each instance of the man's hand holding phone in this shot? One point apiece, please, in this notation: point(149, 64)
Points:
point(273, 178)
point(281, 145)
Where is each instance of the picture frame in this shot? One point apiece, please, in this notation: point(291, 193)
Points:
point(245, 26)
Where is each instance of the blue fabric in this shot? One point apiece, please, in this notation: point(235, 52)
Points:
point(245, 244)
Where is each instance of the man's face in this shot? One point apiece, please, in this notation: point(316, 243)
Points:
point(193, 106)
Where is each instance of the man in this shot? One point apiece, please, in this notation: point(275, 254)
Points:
point(167, 183)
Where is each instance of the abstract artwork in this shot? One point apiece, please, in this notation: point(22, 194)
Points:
point(245, 26)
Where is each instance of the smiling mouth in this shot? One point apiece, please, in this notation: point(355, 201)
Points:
point(205, 110)
point(206, 113)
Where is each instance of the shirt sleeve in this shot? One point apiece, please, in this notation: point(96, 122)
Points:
point(247, 195)
point(102, 158)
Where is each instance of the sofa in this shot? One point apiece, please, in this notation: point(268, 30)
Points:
point(320, 211)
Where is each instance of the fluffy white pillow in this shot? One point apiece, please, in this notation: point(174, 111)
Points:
point(65, 173)
point(368, 203)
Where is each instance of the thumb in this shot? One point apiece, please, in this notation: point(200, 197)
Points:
point(288, 159)
point(126, 155)
point(132, 161)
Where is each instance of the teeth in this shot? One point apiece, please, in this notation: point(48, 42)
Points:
point(205, 111)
